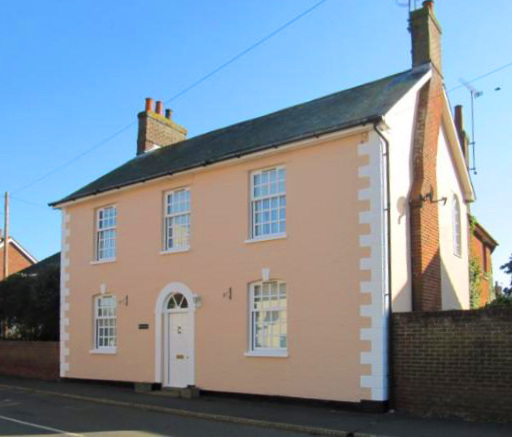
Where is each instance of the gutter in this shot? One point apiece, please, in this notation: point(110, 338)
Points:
point(388, 255)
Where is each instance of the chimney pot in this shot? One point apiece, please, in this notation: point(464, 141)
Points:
point(149, 104)
point(159, 107)
point(168, 113)
point(429, 4)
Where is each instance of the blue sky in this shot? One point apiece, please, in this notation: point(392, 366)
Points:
point(74, 73)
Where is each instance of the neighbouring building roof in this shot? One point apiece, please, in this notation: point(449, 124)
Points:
point(19, 247)
point(53, 260)
point(483, 235)
point(363, 104)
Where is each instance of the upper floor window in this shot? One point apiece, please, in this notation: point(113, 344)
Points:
point(269, 328)
point(177, 220)
point(105, 322)
point(268, 202)
point(457, 227)
point(106, 224)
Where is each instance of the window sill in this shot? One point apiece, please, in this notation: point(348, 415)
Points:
point(106, 351)
point(267, 354)
point(169, 252)
point(104, 261)
point(269, 238)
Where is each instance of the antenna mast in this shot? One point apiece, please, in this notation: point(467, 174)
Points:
point(474, 93)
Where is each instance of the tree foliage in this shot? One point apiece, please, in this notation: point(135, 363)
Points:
point(507, 268)
point(501, 302)
point(29, 305)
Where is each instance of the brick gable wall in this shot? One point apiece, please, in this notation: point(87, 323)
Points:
point(17, 261)
point(425, 249)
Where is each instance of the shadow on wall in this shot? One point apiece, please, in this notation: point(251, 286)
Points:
point(449, 299)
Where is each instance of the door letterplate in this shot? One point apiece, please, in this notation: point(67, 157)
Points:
point(180, 357)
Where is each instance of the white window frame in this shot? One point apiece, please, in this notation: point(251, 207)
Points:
point(171, 217)
point(105, 322)
point(456, 226)
point(100, 232)
point(253, 349)
point(267, 197)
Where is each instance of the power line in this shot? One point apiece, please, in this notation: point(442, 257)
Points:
point(198, 82)
point(503, 67)
point(203, 79)
point(247, 50)
point(28, 202)
point(177, 95)
point(76, 158)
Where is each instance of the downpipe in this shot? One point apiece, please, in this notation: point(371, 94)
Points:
point(387, 187)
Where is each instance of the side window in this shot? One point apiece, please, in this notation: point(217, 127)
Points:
point(105, 322)
point(106, 233)
point(457, 227)
point(177, 220)
point(268, 203)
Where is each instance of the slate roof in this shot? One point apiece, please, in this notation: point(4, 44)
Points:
point(363, 104)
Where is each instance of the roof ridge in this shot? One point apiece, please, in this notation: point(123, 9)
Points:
point(336, 111)
point(318, 99)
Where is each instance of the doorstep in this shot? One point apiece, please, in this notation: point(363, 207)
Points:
point(190, 392)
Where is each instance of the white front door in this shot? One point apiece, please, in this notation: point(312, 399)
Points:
point(179, 362)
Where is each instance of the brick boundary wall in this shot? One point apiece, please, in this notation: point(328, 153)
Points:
point(454, 364)
point(30, 359)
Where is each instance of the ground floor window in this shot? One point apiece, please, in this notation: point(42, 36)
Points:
point(268, 330)
point(105, 322)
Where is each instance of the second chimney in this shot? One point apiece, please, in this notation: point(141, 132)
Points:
point(426, 36)
point(157, 130)
point(461, 133)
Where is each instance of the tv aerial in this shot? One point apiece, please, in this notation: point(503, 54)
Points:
point(475, 94)
point(411, 4)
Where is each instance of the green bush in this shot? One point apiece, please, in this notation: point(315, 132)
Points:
point(475, 283)
point(500, 301)
point(29, 305)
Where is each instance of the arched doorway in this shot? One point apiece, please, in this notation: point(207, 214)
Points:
point(175, 336)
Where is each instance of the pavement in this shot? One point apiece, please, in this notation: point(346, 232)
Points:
point(210, 415)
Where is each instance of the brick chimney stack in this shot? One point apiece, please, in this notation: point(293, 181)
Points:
point(157, 130)
point(426, 36)
point(424, 222)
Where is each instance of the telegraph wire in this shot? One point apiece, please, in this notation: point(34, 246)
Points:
point(177, 95)
point(120, 131)
point(28, 202)
point(247, 50)
point(206, 77)
point(503, 67)
point(74, 159)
